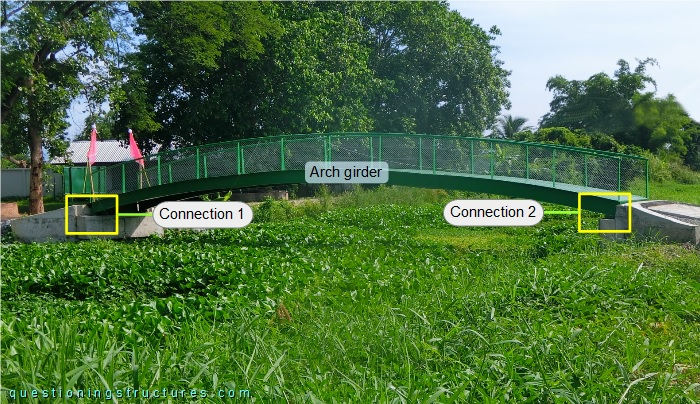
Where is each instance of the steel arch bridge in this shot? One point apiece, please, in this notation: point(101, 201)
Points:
point(544, 172)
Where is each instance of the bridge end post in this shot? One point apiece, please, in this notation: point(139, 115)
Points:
point(646, 192)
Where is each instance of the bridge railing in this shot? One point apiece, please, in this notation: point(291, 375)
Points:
point(556, 165)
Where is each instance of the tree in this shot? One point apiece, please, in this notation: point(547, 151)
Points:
point(601, 103)
point(270, 68)
point(46, 48)
point(692, 157)
point(620, 106)
point(661, 123)
point(188, 83)
point(509, 126)
point(443, 70)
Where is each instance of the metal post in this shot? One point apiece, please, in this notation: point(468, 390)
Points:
point(197, 162)
point(434, 159)
point(554, 168)
point(371, 150)
point(330, 149)
point(380, 147)
point(585, 170)
point(170, 172)
point(471, 156)
point(527, 162)
point(619, 174)
point(646, 193)
point(282, 154)
point(325, 149)
point(238, 158)
point(160, 181)
point(206, 172)
point(492, 153)
point(420, 153)
point(123, 178)
point(70, 181)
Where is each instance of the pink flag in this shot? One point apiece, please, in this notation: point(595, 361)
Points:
point(92, 151)
point(134, 149)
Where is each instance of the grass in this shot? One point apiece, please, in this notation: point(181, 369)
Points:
point(689, 193)
point(387, 303)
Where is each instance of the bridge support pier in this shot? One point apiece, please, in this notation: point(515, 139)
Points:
point(50, 226)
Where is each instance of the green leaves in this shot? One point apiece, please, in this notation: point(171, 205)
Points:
point(386, 301)
point(620, 106)
point(249, 69)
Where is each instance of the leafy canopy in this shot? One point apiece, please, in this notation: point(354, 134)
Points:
point(218, 71)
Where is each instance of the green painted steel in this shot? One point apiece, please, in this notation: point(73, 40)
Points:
point(646, 171)
point(527, 162)
point(160, 180)
point(457, 163)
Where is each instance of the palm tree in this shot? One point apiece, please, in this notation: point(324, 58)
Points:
point(508, 126)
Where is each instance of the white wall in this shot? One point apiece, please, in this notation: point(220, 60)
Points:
point(14, 183)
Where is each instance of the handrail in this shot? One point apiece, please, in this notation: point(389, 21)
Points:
point(166, 161)
point(390, 134)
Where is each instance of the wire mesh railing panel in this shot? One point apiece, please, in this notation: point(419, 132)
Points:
point(601, 172)
point(400, 152)
point(633, 176)
point(113, 179)
point(220, 162)
point(133, 177)
point(261, 157)
point(299, 151)
point(452, 155)
point(480, 159)
point(150, 173)
point(183, 168)
point(351, 148)
point(509, 160)
point(569, 167)
point(540, 163)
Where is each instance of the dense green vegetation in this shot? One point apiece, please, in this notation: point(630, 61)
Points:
point(386, 302)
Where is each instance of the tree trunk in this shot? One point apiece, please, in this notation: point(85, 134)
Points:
point(36, 158)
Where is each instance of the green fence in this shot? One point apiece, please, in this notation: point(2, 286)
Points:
point(75, 182)
point(448, 155)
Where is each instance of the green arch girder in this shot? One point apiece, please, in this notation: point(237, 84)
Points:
point(544, 172)
point(148, 197)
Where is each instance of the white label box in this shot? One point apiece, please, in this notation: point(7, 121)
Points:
point(493, 212)
point(346, 172)
point(202, 215)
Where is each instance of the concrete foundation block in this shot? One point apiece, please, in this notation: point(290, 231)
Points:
point(50, 226)
point(649, 223)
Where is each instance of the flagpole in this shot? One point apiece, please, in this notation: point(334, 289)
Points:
point(91, 156)
point(92, 183)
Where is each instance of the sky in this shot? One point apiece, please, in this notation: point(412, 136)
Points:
point(577, 39)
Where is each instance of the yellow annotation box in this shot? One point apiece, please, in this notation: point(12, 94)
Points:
point(93, 233)
point(628, 195)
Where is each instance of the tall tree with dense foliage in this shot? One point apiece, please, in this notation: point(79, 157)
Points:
point(443, 69)
point(661, 123)
point(600, 103)
point(270, 68)
point(508, 125)
point(621, 106)
point(46, 47)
